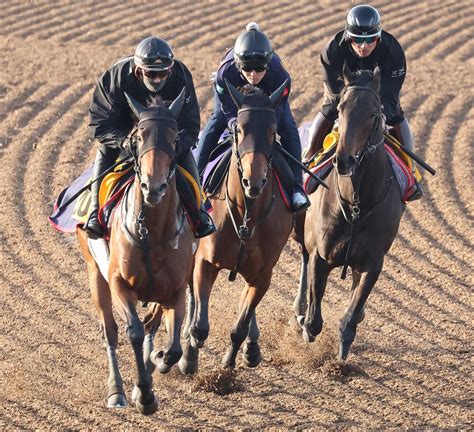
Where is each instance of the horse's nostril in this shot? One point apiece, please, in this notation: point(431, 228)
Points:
point(144, 186)
point(245, 183)
point(264, 182)
point(162, 188)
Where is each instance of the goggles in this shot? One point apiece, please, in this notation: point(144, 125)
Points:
point(250, 68)
point(359, 40)
point(153, 74)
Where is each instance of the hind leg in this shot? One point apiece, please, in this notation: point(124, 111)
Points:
point(254, 291)
point(318, 274)
point(300, 303)
point(102, 300)
point(152, 322)
point(348, 325)
point(204, 276)
point(174, 315)
point(188, 364)
point(251, 349)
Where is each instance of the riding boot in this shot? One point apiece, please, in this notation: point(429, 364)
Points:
point(203, 224)
point(320, 127)
point(402, 133)
point(105, 157)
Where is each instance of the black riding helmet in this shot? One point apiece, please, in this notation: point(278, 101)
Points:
point(363, 20)
point(153, 54)
point(252, 47)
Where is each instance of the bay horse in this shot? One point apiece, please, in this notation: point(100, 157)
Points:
point(253, 225)
point(354, 222)
point(150, 257)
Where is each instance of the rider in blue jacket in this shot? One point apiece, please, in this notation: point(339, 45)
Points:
point(252, 61)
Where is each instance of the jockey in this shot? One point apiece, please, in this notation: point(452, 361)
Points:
point(152, 70)
point(252, 61)
point(363, 45)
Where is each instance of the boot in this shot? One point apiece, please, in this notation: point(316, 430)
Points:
point(320, 127)
point(299, 199)
point(402, 133)
point(203, 224)
point(103, 161)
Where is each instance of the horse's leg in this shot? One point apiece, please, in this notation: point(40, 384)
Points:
point(102, 300)
point(254, 292)
point(355, 283)
point(174, 315)
point(204, 277)
point(318, 275)
point(348, 326)
point(188, 364)
point(251, 349)
point(152, 322)
point(125, 300)
point(300, 304)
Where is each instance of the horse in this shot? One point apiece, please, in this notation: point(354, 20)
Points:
point(253, 225)
point(150, 257)
point(354, 222)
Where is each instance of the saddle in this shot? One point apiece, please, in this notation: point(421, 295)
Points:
point(401, 164)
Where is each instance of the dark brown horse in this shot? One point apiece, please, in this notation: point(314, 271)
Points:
point(150, 258)
point(354, 223)
point(253, 226)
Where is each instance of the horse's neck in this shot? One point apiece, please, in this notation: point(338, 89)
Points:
point(372, 181)
point(159, 220)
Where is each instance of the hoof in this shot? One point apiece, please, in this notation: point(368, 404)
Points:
point(188, 367)
point(144, 408)
point(157, 357)
point(117, 400)
point(307, 337)
point(229, 359)
point(300, 320)
point(251, 355)
point(189, 362)
point(195, 343)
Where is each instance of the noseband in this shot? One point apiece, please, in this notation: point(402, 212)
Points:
point(155, 144)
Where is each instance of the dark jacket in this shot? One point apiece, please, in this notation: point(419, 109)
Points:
point(389, 57)
point(111, 118)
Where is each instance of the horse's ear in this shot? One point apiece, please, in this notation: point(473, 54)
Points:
point(347, 73)
point(135, 106)
point(276, 96)
point(177, 105)
point(377, 76)
point(236, 96)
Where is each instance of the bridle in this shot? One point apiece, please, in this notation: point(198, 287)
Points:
point(243, 232)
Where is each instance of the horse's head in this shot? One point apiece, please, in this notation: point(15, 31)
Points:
point(157, 133)
point(360, 119)
point(254, 135)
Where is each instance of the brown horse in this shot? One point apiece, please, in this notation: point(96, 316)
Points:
point(150, 258)
point(354, 222)
point(253, 226)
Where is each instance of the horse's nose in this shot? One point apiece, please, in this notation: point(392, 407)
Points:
point(253, 189)
point(153, 195)
point(344, 164)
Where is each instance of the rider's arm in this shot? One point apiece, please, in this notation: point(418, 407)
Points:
point(393, 76)
point(105, 109)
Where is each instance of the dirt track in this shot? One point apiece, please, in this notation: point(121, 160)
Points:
point(411, 362)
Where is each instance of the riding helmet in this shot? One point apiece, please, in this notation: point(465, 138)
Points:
point(252, 47)
point(363, 20)
point(153, 54)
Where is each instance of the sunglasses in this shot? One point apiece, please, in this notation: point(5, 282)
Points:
point(152, 74)
point(248, 68)
point(359, 40)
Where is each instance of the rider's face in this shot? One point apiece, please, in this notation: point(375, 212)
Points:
point(364, 49)
point(253, 77)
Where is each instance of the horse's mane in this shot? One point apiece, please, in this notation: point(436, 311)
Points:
point(361, 77)
point(250, 89)
point(157, 101)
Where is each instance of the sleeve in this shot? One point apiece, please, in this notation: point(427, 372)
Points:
point(227, 105)
point(287, 128)
point(189, 120)
point(104, 111)
point(332, 62)
point(393, 75)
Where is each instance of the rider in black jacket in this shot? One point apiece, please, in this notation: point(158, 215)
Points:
point(152, 70)
point(363, 45)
